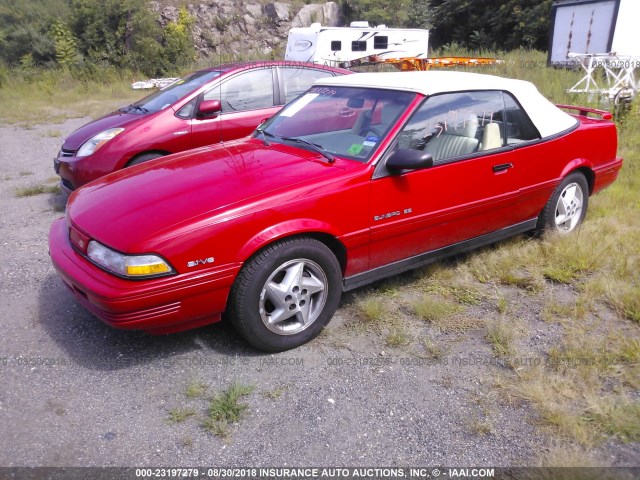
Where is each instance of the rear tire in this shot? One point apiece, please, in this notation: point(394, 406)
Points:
point(567, 207)
point(145, 157)
point(285, 294)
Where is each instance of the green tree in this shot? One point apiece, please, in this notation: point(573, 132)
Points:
point(65, 44)
point(420, 14)
point(392, 13)
point(127, 34)
point(178, 49)
point(24, 29)
point(506, 24)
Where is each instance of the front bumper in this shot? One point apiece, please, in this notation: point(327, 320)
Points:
point(158, 306)
point(75, 171)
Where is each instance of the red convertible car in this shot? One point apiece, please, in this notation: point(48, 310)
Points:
point(362, 177)
point(204, 107)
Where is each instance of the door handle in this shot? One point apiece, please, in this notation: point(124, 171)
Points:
point(502, 167)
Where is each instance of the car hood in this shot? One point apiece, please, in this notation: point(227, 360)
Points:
point(133, 209)
point(84, 133)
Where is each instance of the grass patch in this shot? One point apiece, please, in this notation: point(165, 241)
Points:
point(33, 190)
point(624, 298)
point(500, 336)
point(480, 426)
point(33, 97)
point(614, 417)
point(434, 310)
point(179, 415)
point(432, 350)
point(220, 428)
point(398, 337)
point(226, 408)
point(372, 309)
point(25, 173)
point(196, 389)
point(467, 294)
point(274, 394)
point(554, 311)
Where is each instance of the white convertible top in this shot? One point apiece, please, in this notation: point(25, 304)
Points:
point(548, 118)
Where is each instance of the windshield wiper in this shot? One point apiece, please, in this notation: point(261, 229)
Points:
point(133, 106)
point(314, 146)
point(265, 142)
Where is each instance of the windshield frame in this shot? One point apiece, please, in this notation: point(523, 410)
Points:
point(175, 92)
point(349, 142)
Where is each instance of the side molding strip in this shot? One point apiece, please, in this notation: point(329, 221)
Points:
point(356, 281)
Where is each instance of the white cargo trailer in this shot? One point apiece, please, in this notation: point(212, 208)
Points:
point(336, 46)
point(603, 38)
point(594, 27)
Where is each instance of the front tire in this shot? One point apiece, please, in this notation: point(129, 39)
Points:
point(285, 294)
point(145, 157)
point(567, 207)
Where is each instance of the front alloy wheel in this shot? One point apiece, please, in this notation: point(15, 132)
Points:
point(293, 296)
point(285, 294)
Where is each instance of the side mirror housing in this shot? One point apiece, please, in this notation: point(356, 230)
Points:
point(408, 159)
point(208, 108)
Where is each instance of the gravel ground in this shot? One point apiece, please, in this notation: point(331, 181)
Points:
point(75, 392)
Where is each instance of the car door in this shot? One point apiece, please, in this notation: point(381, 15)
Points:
point(246, 98)
point(471, 190)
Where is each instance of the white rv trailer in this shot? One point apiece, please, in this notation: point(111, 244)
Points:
point(600, 36)
point(335, 46)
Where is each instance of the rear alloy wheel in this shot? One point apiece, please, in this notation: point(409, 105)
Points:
point(286, 294)
point(567, 207)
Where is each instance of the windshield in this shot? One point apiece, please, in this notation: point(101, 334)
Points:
point(349, 122)
point(172, 93)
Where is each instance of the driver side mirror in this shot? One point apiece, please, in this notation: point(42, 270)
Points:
point(208, 108)
point(408, 159)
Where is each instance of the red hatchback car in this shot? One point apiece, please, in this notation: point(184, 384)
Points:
point(204, 107)
point(362, 177)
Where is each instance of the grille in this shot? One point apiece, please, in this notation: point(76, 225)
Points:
point(67, 153)
point(67, 184)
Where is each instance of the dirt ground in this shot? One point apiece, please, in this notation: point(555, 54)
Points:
point(74, 392)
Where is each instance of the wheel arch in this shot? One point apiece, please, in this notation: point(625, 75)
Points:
point(589, 175)
point(296, 229)
point(580, 165)
point(128, 161)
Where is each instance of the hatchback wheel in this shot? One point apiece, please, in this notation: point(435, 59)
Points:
point(286, 294)
point(145, 157)
point(567, 207)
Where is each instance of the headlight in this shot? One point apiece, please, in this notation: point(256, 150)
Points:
point(94, 143)
point(127, 265)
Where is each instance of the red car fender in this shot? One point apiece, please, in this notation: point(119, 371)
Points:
point(284, 229)
point(580, 163)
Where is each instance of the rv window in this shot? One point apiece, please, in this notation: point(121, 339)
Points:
point(359, 46)
point(336, 45)
point(380, 43)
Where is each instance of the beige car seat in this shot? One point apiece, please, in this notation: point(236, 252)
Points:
point(454, 141)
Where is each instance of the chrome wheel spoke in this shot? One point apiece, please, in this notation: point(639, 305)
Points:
point(293, 296)
point(569, 208)
point(312, 284)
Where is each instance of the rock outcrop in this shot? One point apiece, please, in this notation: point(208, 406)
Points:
point(232, 30)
